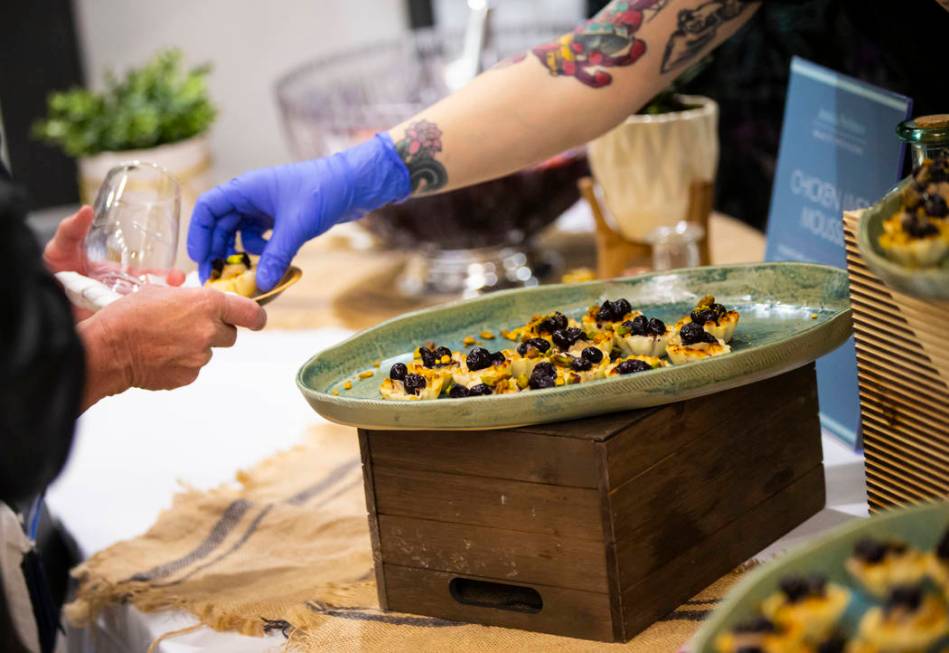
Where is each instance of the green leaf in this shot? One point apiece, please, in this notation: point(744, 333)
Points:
point(158, 103)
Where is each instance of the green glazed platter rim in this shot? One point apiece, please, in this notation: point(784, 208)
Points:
point(922, 283)
point(831, 328)
point(920, 526)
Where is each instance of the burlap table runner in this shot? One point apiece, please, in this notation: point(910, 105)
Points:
point(287, 548)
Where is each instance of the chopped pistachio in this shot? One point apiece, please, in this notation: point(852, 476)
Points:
point(366, 374)
point(335, 392)
point(377, 364)
point(487, 335)
point(469, 340)
point(347, 385)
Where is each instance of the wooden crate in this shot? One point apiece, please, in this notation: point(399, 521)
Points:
point(592, 528)
point(903, 368)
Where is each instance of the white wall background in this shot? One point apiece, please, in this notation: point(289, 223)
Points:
point(251, 43)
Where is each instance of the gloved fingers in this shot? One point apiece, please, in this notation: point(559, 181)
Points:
point(252, 239)
point(275, 259)
point(211, 206)
point(222, 237)
point(204, 270)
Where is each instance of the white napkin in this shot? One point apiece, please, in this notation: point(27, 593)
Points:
point(85, 292)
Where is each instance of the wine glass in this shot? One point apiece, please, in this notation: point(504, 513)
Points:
point(134, 235)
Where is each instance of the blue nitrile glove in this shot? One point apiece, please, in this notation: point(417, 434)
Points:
point(298, 201)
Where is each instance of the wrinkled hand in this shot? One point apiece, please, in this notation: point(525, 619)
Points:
point(298, 202)
point(159, 338)
point(66, 251)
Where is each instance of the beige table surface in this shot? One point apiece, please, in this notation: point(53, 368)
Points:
point(350, 287)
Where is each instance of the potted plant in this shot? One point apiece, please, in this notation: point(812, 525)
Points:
point(650, 166)
point(159, 112)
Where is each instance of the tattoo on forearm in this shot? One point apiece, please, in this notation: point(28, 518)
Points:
point(695, 29)
point(419, 145)
point(605, 41)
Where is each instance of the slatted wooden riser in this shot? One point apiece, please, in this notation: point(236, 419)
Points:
point(903, 368)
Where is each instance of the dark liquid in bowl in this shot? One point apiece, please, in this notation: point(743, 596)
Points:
point(502, 212)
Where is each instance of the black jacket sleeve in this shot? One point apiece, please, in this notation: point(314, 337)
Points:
point(41, 360)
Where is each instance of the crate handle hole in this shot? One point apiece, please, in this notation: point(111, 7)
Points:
point(486, 594)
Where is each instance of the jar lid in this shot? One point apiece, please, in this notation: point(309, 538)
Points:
point(927, 130)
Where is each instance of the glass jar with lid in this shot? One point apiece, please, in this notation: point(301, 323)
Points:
point(928, 136)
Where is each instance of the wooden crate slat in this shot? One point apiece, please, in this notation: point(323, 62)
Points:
point(565, 612)
point(531, 558)
point(513, 505)
point(511, 455)
point(693, 497)
point(695, 569)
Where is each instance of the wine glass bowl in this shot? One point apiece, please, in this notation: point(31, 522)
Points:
point(134, 235)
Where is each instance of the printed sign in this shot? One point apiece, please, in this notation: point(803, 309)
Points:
point(839, 151)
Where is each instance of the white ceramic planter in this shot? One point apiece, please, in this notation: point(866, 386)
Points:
point(189, 161)
point(646, 165)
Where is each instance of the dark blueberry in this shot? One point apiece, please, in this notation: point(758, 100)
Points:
point(918, 227)
point(595, 356)
point(797, 588)
point(794, 588)
point(398, 372)
point(908, 597)
point(942, 549)
point(478, 359)
point(694, 333)
point(217, 266)
point(554, 322)
point(869, 550)
point(751, 648)
point(413, 383)
point(543, 376)
point(540, 344)
point(441, 352)
point(756, 625)
point(427, 356)
point(632, 366)
point(656, 326)
point(637, 326)
point(497, 358)
point(606, 312)
point(458, 392)
point(836, 644)
point(581, 364)
point(935, 205)
point(703, 315)
point(621, 309)
point(565, 338)
point(479, 390)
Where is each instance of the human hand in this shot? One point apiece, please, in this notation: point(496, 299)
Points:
point(66, 251)
point(159, 338)
point(297, 201)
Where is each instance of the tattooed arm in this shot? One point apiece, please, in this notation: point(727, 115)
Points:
point(555, 97)
point(562, 94)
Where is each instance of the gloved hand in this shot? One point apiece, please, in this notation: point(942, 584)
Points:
point(298, 201)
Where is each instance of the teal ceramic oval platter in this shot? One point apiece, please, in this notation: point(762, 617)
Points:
point(791, 314)
point(924, 283)
point(920, 527)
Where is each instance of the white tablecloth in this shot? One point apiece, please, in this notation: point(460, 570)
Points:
point(133, 451)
